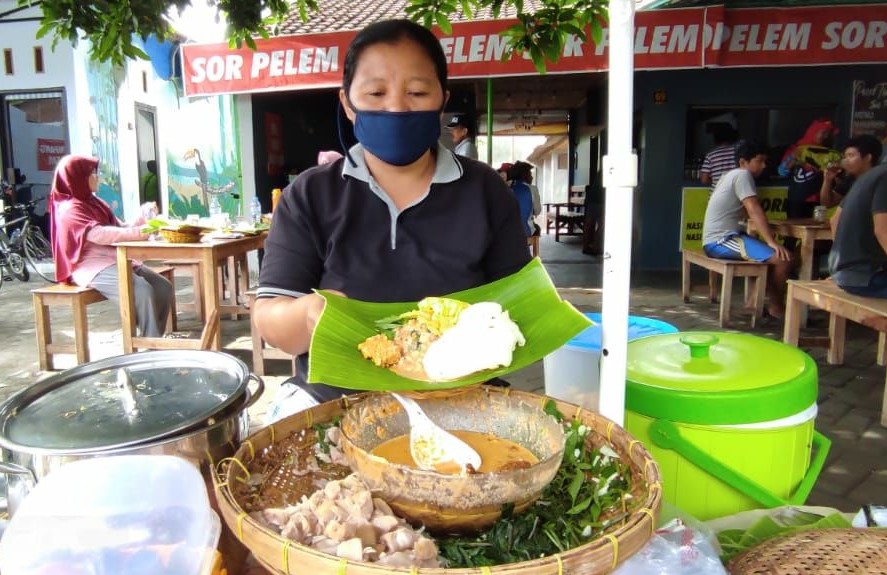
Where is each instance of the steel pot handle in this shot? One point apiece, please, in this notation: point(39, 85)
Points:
point(254, 397)
point(13, 469)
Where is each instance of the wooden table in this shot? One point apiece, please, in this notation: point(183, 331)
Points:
point(208, 254)
point(807, 231)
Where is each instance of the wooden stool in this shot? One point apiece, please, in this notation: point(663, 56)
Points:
point(533, 242)
point(190, 268)
point(728, 269)
point(62, 295)
point(261, 350)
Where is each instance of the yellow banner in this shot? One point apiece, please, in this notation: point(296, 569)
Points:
point(695, 199)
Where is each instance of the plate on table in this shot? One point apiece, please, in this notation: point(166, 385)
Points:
point(529, 296)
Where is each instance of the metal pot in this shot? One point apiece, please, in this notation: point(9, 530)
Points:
point(191, 404)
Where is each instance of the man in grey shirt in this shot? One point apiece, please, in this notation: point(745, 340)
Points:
point(722, 235)
point(858, 258)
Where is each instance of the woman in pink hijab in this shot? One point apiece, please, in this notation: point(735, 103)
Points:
point(84, 230)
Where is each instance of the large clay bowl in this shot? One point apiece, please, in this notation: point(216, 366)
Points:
point(454, 503)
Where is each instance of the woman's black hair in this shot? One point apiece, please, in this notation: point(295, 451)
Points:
point(391, 32)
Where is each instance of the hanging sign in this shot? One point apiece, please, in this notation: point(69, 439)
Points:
point(664, 39)
point(869, 109)
point(49, 152)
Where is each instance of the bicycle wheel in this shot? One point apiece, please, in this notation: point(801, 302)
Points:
point(16, 265)
point(38, 253)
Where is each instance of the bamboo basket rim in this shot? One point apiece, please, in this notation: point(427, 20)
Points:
point(609, 549)
point(180, 237)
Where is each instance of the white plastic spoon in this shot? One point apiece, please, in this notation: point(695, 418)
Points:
point(431, 446)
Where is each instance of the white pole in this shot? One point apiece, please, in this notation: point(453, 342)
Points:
point(620, 179)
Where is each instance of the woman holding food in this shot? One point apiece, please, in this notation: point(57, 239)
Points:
point(84, 230)
point(400, 217)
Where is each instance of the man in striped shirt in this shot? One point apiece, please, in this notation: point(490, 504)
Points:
point(722, 158)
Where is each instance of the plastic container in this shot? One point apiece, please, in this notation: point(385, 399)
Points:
point(572, 373)
point(255, 210)
point(132, 514)
point(729, 418)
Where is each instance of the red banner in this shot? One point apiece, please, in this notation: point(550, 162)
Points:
point(681, 38)
point(49, 152)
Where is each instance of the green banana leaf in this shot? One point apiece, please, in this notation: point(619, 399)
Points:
point(529, 296)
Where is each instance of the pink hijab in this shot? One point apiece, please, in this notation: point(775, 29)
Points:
point(73, 211)
point(327, 157)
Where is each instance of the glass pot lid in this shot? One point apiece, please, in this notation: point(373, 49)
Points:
point(718, 378)
point(123, 401)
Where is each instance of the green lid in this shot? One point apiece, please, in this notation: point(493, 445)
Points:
point(718, 378)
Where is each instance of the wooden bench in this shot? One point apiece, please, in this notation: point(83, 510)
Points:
point(841, 306)
point(78, 298)
point(728, 269)
point(261, 350)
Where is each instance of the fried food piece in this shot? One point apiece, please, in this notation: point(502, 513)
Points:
point(380, 350)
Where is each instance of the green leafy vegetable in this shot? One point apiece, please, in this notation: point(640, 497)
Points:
point(586, 497)
point(781, 522)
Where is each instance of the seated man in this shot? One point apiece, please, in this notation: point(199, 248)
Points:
point(722, 235)
point(858, 259)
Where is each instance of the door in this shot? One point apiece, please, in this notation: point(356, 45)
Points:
point(146, 146)
point(35, 136)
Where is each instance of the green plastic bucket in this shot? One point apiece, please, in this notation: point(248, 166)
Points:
point(728, 417)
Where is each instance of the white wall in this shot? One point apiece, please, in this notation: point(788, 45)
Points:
point(243, 104)
point(58, 74)
point(21, 38)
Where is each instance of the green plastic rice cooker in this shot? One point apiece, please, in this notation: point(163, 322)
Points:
point(728, 417)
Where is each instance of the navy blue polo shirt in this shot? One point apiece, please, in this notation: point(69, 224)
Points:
point(336, 228)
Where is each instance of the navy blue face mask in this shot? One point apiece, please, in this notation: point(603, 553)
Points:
point(397, 138)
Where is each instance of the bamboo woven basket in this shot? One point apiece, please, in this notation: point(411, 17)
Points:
point(191, 236)
point(817, 552)
point(599, 556)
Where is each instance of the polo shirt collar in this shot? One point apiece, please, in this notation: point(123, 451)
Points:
point(448, 168)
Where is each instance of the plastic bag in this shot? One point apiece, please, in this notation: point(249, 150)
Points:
point(677, 548)
point(289, 400)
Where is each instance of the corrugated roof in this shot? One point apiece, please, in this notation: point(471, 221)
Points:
point(348, 15)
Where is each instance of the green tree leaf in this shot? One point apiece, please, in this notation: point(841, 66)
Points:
point(112, 26)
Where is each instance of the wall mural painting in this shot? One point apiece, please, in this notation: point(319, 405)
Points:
point(202, 154)
point(103, 131)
